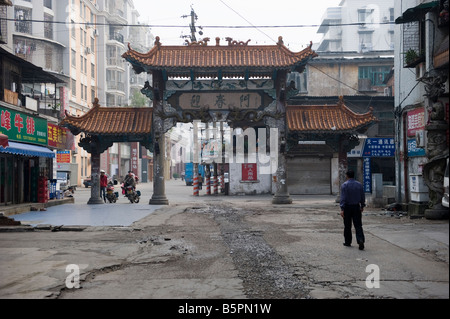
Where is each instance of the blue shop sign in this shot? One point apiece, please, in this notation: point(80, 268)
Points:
point(379, 147)
point(367, 175)
point(413, 150)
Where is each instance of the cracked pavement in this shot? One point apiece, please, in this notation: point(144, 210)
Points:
point(232, 248)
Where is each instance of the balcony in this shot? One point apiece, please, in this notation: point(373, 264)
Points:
point(332, 16)
point(115, 63)
point(115, 86)
point(116, 36)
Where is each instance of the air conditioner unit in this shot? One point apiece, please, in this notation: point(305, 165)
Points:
point(95, 33)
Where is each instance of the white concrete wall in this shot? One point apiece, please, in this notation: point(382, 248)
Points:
point(263, 185)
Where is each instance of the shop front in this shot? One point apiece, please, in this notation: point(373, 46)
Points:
point(26, 162)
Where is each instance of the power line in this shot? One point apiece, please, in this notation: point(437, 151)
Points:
point(251, 24)
point(204, 26)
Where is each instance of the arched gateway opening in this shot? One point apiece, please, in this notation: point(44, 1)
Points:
point(234, 84)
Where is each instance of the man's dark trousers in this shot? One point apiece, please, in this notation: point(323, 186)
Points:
point(353, 213)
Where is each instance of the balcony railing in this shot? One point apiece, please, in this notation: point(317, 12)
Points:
point(116, 37)
point(116, 62)
point(115, 85)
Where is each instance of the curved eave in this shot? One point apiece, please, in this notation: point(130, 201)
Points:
point(327, 119)
point(111, 121)
point(209, 59)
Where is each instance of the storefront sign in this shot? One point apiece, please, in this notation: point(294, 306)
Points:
point(22, 127)
point(60, 138)
point(63, 156)
point(367, 175)
point(134, 157)
point(379, 147)
point(415, 121)
point(249, 173)
point(413, 150)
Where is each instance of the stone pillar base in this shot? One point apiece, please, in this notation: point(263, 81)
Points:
point(282, 199)
point(159, 200)
point(95, 201)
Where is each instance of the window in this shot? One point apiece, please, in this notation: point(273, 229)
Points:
point(74, 58)
point(85, 66)
point(386, 123)
point(22, 23)
point(93, 70)
point(74, 87)
point(48, 4)
point(365, 15)
point(376, 74)
point(48, 26)
point(81, 61)
point(72, 23)
point(365, 41)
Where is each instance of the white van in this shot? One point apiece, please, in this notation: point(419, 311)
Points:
point(445, 197)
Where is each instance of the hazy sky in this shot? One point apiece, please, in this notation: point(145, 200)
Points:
point(237, 13)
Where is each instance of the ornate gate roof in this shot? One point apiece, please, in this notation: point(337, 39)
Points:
point(205, 60)
point(111, 121)
point(327, 118)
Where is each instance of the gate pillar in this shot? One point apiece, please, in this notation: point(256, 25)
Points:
point(159, 184)
point(95, 178)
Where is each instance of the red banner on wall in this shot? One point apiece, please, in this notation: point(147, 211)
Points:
point(60, 138)
point(249, 172)
point(416, 121)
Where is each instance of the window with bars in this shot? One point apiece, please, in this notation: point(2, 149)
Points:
point(23, 17)
point(48, 26)
point(376, 74)
point(413, 46)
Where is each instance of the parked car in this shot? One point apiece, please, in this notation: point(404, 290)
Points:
point(445, 197)
point(87, 182)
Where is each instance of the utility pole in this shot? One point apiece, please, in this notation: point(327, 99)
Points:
point(194, 18)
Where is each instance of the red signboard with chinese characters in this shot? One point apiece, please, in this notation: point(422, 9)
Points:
point(249, 172)
point(60, 138)
point(415, 121)
point(63, 156)
point(135, 158)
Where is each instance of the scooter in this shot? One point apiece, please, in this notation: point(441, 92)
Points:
point(111, 196)
point(132, 195)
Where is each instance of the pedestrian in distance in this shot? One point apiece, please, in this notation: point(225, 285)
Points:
point(200, 181)
point(103, 184)
point(352, 204)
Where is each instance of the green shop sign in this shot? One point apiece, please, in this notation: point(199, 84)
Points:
point(23, 127)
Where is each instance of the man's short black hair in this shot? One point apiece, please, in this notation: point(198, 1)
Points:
point(350, 174)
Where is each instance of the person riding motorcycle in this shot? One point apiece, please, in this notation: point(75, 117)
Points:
point(129, 180)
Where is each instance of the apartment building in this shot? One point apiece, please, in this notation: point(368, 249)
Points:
point(355, 60)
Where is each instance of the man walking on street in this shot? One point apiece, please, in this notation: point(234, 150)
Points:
point(352, 204)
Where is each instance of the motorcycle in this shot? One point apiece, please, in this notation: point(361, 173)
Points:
point(132, 195)
point(111, 196)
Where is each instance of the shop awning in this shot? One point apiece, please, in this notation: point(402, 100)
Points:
point(27, 150)
point(416, 13)
point(3, 140)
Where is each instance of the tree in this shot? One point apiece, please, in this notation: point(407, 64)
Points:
point(139, 100)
